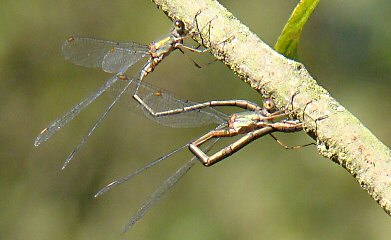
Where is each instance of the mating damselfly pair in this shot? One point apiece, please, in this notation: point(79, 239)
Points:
point(162, 107)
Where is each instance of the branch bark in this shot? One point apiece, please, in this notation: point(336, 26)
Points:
point(340, 137)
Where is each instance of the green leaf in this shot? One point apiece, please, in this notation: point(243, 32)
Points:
point(289, 38)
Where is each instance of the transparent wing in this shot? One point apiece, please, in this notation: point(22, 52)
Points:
point(159, 193)
point(60, 122)
point(95, 126)
point(163, 188)
point(89, 52)
point(162, 100)
point(118, 60)
point(131, 175)
point(138, 171)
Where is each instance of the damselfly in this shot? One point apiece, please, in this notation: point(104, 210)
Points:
point(115, 57)
point(254, 123)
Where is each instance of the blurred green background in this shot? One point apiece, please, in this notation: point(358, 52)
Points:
point(262, 192)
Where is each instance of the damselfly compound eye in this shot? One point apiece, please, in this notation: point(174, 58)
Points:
point(269, 104)
point(179, 27)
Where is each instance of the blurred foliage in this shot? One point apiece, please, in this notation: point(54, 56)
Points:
point(289, 38)
point(271, 193)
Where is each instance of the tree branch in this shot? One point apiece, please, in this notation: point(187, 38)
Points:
point(340, 136)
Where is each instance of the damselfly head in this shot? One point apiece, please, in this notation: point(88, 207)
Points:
point(179, 27)
point(269, 105)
